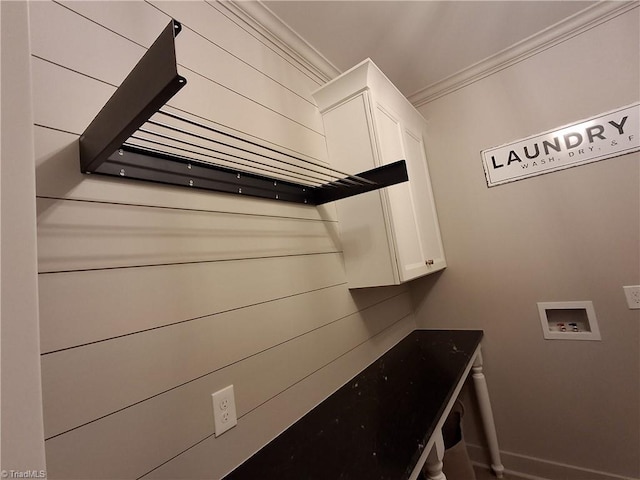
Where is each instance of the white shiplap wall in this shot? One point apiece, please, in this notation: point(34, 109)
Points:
point(153, 297)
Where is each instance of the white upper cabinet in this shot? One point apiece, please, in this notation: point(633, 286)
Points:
point(389, 236)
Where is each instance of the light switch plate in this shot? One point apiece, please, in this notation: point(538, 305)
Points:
point(632, 293)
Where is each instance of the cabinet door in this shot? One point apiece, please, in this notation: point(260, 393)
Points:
point(401, 209)
point(365, 235)
point(426, 216)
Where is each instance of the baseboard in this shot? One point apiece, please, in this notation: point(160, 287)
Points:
point(509, 474)
point(532, 468)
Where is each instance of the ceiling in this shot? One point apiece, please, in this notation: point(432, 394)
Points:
point(418, 43)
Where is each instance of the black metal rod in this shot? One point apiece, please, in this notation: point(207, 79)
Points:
point(151, 83)
point(270, 168)
point(349, 179)
point(341, 175)
point(213, 157)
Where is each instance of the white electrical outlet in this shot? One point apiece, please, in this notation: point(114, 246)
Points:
point(633, 296)
point(224, 410)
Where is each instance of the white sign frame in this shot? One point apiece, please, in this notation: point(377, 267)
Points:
point(608, 135)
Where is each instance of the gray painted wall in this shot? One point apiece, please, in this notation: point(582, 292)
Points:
point(569, 235)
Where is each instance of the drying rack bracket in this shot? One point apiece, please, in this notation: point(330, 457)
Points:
point(123, 141)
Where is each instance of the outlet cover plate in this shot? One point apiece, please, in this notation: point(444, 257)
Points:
point(224, 410)
point(632, 293)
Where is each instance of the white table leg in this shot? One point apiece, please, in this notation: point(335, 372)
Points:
point(486, 414)
point(433, 466)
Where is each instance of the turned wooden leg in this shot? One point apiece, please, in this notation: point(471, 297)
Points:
point(433, 466)
point(486, 414)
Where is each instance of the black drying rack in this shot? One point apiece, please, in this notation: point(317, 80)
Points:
point(136, 135)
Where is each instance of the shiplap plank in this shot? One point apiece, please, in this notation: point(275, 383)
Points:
point(65, 38)
point(88, 306)
point(141, 21)
point(64, 99)
point(87, 235)
point(58, 91)
point(108, 376)
point(135, 20)
point(201, 55)
point(230, 34)
point(166, 424)
point(215, 457)
point(110, 57)
point(58, 175)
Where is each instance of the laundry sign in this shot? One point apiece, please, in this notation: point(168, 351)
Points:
point(608, 135)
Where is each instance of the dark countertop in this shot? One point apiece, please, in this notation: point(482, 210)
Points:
point(377, 424)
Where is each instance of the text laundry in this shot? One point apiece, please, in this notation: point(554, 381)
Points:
point(568, 141)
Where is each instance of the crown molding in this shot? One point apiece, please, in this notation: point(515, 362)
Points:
point(282, 38)
point(292, 46)
point(582, 21)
